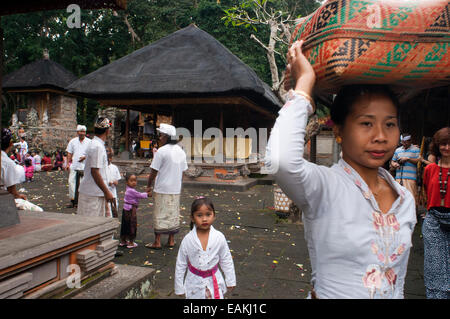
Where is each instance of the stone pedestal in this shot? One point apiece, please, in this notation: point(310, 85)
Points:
point(8, 210)
point(51, 251)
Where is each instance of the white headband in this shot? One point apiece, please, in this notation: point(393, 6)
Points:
point(81, 128)
point(406, 138)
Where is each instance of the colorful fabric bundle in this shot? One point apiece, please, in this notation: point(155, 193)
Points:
point(402, 43)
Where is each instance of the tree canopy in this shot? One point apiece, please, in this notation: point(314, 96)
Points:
point(106, 35)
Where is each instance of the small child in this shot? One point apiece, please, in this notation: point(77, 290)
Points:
point(113, 176)
point(29, 170)
point(201, 252)
point(129, 219)
point(65, 165)
point(46, 162)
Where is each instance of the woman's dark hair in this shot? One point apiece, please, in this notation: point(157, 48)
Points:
point(28, 162)
point(6, 137)
point(199, 202)
point(100, 131)
point(349, 94)
point(128, 175)
point(440, 137)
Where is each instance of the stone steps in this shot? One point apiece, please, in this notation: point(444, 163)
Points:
point(127, 282)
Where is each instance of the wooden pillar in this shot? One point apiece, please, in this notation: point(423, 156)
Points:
point(173, 115)
point(221, 151)
point(127, 131)
point(313, 151)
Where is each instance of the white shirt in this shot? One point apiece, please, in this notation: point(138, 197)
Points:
point(217, 251)
point(37, 159)
point(23, 147)
point(170, 162)
point(11, 174)
point(78, 149)
point(113, 174)
point(355, 250)
point(95, 158)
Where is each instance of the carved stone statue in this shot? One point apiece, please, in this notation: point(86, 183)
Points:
point(45, 118)
point(14, 120)
point(32, 118)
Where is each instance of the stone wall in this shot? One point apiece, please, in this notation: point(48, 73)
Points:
point(51, 122)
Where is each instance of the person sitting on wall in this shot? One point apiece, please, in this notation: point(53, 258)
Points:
point(11, 173)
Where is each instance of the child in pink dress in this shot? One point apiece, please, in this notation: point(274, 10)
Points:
point(29, 170)
point(129, 219)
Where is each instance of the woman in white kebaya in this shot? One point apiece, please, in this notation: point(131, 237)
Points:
point(201, 253)
point(358, 220)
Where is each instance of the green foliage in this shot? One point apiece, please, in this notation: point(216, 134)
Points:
point(104, 36)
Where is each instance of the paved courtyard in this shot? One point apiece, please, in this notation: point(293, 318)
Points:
point(270, 255)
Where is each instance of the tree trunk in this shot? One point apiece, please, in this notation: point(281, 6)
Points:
point(271, 55)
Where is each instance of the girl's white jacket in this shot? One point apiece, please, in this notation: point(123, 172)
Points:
point(217, 251)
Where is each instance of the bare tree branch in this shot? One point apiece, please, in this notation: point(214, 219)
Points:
point(263, 45)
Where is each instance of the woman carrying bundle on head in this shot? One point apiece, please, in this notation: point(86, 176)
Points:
point(358, 219)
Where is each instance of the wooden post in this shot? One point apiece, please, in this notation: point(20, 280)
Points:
point(313, 151)
point(173, 115)
point(127, 131)
point(222, 147)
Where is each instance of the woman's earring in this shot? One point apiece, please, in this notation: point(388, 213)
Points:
point(338, 139)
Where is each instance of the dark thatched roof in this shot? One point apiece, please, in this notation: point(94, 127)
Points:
point(41, 74)
point(186, 63)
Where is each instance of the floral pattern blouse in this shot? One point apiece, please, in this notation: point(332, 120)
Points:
point(356, 251)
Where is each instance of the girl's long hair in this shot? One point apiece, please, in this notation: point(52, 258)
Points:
point(199, 202)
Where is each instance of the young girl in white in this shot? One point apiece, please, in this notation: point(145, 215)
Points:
point(201, 252)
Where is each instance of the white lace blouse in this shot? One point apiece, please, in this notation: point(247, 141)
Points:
point(356, 251)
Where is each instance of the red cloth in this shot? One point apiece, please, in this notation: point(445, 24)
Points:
point(46, 164)
point(431, 183)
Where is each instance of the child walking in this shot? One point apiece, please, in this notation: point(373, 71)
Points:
point(201, 253)
point(130, 206)
point(113, 176)
point(29, 170)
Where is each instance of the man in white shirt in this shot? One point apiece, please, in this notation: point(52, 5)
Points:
point(167, 170)
point(94, 190)
point(76, 154)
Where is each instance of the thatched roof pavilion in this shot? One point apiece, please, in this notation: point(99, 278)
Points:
point(189, 75)
point(182, 67)
point(48, 112)
point(41, 75)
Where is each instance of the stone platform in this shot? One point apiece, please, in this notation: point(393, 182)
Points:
point(39, 254)
point(127, 282)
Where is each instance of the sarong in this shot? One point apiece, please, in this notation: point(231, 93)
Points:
point(436, 244)
point(166, 213)
point(91, 206)
point(128, 228)
point(72, 180)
